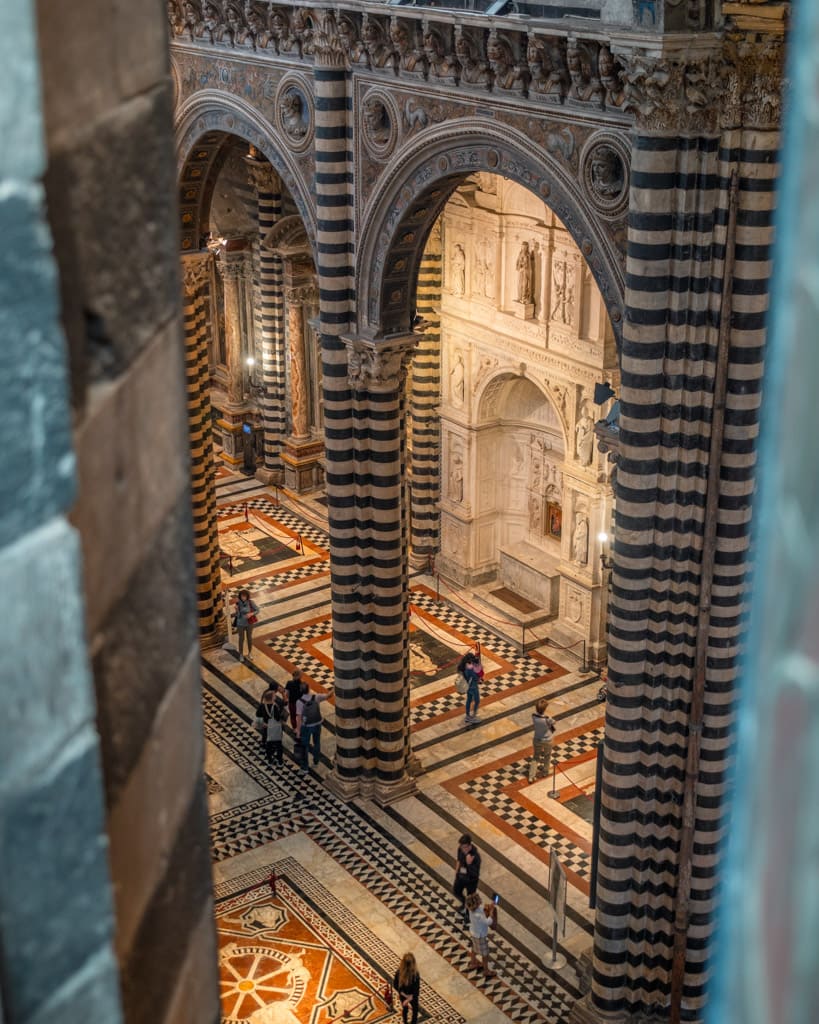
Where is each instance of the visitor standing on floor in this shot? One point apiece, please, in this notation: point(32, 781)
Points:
point(244, 619)
point(473, 673)
point(481, 919)
point(308, 724)
point(407, 983)
point(467, 871)
point(274, 747)
point(264, 709)
point(543, 733)
point(293, 688)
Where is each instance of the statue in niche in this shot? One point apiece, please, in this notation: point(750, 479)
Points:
point(525, 271)
point(456, 380)
point(292, 115)
point(580, 539)
point(584, 435)
point(489, 269)
point(458, 270)
point(563, 282)
point(607, 173)
point(456, 476)
point(479, 280)
point(517, 460)
point(534, 512)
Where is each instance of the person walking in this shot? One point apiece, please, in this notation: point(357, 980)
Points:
point(293, 688)
point(543, 732)
point(473, 673)
point(274, 746)
point(481, 919)
point(244, 619)
point(407, 983)
point(308, 724)
point(467, 872)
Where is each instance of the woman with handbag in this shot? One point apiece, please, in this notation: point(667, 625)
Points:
point(244, 619)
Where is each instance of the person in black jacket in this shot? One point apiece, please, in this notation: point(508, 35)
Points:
point(467, 871)
point(407, 983)
point(293, 688)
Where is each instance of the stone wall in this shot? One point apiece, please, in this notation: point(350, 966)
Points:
point(110, 189)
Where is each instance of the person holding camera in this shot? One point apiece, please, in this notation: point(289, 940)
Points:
point(481, 919)
point(467, 871)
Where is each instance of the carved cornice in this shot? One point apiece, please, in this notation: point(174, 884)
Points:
point(330, 48)
point(195, 272)
point(668, 95)
point(379, 365)
point(301, 295)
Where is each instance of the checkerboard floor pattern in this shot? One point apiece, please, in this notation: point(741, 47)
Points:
point(281, 514)
point(278, 579)
point(525, 991)
point(289, 646)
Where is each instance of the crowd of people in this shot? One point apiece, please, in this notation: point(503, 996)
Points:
point(301, 705)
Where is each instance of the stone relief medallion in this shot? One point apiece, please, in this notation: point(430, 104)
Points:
point(294, 112)
point(604, 172)
point(380, 122)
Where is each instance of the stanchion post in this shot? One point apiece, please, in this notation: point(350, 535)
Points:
point(272, 882)
point(553, 792)
point(437, 588)
point(584, 666)
point(523, 638)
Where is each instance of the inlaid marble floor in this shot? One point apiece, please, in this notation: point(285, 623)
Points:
point(361, 884)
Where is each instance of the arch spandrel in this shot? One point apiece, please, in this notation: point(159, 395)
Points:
point(494, 389)
point(416, 187)
point(209, 113)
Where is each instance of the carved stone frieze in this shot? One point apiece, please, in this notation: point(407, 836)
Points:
point(672, 96)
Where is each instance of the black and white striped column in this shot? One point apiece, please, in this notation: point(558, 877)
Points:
point(688, 269)
point(271, 320)
point(425, 487)
point(196, 272)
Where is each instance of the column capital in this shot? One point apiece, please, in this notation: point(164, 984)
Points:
point(195, 271)
point(330, 47)
point(263, 176)
point(232, 264)
point(300, 295)
point(379, 364)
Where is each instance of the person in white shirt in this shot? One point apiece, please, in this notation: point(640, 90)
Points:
point(481, 919)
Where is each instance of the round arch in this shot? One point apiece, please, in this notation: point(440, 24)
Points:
point(202, 123)
point(491, 390)
point(418, 184)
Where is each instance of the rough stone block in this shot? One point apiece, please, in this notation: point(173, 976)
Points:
point(196, 997)
point(55, 908)
point(151, 972)
point(132, 468)
point(121, 282)
point(22, 155)
point(143, 825)
point(38, 463)
point(92, 994)
point(142, 646)
point(140, 45)
point(46, 684)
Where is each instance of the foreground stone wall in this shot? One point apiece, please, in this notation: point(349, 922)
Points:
point(110, 189)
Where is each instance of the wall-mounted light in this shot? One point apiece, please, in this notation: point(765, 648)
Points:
point(605, 560)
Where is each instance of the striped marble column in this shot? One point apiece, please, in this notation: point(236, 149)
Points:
point(364, 437)
point(697, 289)
point(271, 320)
point(196, 271)
point(426, 397)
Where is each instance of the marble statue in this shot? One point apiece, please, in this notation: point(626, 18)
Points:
point(525, 275)
point(580, 539)
point(456, 378)
point(458, 270)
point(584, 434)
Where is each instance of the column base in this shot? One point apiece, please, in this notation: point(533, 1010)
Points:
point(270, 476)
point(415, 766)
point(584, 1012)
point(303, 461)
point(382, 793)
point(215, 636)
point(421, 559)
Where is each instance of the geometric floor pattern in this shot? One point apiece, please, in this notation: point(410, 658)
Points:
point(474, 779)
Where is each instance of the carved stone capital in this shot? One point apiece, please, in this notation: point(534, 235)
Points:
point(329, 46)
point(263, 177)
point(753, 82)
point(233, 265)
point(379, 364)
point(195, 272)
point(672, 94)
point(301, 295)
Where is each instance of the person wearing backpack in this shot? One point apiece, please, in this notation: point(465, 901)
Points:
point(308, 724)
point(543, 733)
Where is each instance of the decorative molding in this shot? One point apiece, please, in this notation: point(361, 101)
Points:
point(301, 295)
point(233, 265)
point(668, 95)
point(263, 176)
point(379, 365)
point(294, 112)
